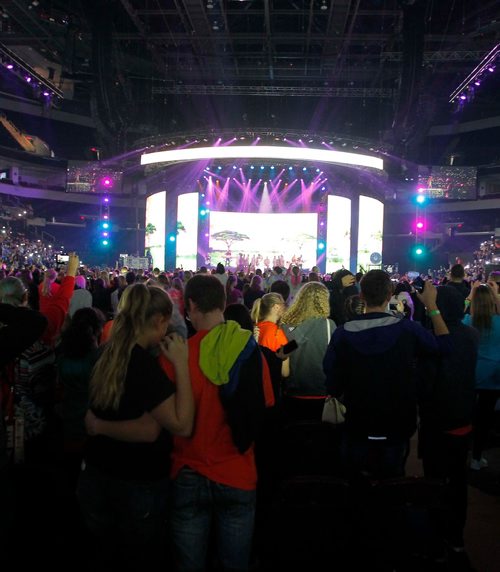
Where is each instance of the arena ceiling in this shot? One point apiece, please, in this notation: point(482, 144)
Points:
point(379, 69)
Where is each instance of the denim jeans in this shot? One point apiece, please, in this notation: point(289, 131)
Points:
point(377, 459)
point(196, 500)
point(127, 517)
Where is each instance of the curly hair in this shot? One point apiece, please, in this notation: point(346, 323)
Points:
point(311, 301)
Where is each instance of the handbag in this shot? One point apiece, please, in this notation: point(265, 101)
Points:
point(333, 410)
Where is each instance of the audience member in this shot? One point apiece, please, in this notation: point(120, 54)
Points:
point(364, 365)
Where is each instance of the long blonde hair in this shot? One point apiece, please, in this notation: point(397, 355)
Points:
point(48, 279)
point(137, 306)
point(262, 306)
point(104, 275)
point(311, 301)
point(483, 308)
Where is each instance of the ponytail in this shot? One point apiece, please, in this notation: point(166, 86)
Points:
point(48, 280)
point(262, 306)
point(255, 313)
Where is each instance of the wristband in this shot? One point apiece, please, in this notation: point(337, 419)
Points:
point(433, 313)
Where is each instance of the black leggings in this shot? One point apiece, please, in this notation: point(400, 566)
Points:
point(485, 414)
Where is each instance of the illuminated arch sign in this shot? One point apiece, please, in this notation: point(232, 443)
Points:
point(263, 152)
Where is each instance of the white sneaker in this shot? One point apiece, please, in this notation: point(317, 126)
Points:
point(476, 465)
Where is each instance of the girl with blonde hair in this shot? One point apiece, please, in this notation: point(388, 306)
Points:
point(307, 322)
point(266, 314)
point(123, 486)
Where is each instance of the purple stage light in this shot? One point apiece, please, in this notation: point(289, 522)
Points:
point(477, 82)
point(28, 79)
point(105, 217)
point(462, 97)
point(46, 93)
point(106, 199)
point(10, 66)
point(107, 182)
point(491, 69)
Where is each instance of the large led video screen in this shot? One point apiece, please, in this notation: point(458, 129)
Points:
point(338, 233)
point(187, 231)
point(448, 182)
point(155, 228)
point(263, 240)
point(370, 232)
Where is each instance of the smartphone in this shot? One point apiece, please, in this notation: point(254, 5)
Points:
point(290, 347)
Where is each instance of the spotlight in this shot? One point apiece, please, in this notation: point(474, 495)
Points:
point(10, 66)
point(491, 69)
point(171, 238)
point(28, 79)
point(106, 199)
point(105, 243)
point(304, 169)
point(252, 167)
point(420, 199)
point(262, 167)
point(290, 168)
point(272, 166)
point(463, 97)
point(105, 225)
point(321, 246)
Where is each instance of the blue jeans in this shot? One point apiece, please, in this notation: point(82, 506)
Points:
point(376, 459)
point(195, 501)
point(128, 517)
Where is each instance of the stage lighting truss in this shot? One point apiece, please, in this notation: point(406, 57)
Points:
point(18, 66)
point(465, 91)
point(263, 152)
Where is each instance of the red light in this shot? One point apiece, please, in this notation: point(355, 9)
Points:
point(82, 218)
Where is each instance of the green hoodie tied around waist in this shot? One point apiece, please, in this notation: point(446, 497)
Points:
point(220, 349)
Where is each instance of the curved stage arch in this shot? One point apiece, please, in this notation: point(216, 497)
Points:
point(265, 210)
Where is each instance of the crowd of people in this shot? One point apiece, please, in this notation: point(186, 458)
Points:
point(17, 250)
point(170, 388)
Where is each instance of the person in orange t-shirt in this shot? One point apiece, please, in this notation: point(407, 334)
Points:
point(266, 314)
point(214, 476)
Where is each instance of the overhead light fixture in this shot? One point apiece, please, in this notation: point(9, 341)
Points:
point(487, 64)
point(263, 152)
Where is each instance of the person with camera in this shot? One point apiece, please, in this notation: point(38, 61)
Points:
point(370, 361)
